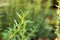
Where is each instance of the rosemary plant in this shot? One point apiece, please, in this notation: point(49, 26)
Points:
point(20, 31)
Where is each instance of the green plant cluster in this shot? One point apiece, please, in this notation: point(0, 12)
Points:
point(25, 19)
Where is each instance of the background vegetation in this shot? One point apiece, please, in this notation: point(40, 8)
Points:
point(27, 19)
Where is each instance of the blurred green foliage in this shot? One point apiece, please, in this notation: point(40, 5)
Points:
point(37, 11)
